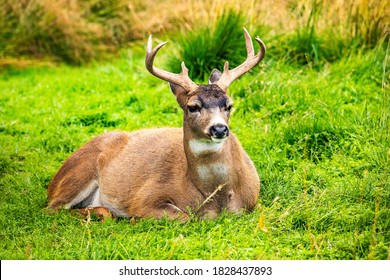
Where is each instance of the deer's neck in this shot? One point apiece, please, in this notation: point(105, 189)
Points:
point(209, 163)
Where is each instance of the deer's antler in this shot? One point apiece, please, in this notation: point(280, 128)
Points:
point(228, 76)
point(181, 79)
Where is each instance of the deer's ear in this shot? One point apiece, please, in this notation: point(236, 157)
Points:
point(177, 90)
point(214, 76)
point(180, 93)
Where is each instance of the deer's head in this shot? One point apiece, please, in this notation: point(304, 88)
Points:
point(206, 107)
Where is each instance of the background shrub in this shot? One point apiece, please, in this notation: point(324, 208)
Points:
point(72, 31)
point(209, 47)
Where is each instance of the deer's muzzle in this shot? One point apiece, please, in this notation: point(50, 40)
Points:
point(219, 132)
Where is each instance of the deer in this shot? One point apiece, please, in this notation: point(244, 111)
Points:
point(198, 170)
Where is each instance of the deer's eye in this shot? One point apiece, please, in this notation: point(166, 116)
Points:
point(194, 108)
point(229, 107)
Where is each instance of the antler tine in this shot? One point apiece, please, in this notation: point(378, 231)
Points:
point(248, 43)
point(181, 79)
point(228, 76)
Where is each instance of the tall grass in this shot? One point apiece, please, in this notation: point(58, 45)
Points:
point(328, 30)
point(323, 32)
point(72, 31)
point(306, 46)
point(209, 47)
point(75, 31)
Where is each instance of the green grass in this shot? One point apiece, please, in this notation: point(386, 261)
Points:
point(207, 47)
point(319, 139)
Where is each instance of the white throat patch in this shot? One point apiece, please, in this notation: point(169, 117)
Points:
point(199, 147)
point(212, 171)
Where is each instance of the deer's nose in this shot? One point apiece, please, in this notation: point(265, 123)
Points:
point(219, 131)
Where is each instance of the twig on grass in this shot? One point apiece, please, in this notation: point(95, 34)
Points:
point(220, 187)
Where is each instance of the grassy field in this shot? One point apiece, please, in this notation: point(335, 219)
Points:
point(314, 117)
point(319, 139)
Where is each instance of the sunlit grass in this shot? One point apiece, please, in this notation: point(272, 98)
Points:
point(318, 137)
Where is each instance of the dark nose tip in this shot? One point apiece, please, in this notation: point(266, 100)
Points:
point(219, 131)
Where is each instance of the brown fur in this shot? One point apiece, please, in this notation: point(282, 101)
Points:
point(81, 168)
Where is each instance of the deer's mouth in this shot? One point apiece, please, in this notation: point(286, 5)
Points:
point(218, 140)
